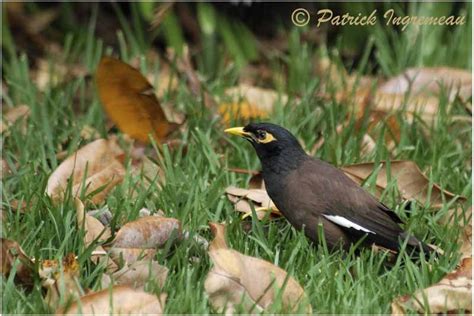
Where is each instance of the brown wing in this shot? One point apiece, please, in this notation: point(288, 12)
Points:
point(322, 189)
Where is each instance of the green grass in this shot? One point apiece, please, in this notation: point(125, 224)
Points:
point(195, 183)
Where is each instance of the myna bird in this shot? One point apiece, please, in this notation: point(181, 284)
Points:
point(310, 192)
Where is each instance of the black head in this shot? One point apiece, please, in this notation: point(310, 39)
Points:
point(272, 143)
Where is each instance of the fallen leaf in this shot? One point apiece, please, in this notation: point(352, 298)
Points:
point(254, 283)
point(120, 300)
point(450, 295)
point(140, 272)
point(93, 228)
point(11, 115)
point(427, 107)
point(411, 182)
point(14, 256)
point(61, 281)
point(130, 102)
point(99, 160)
point(430, 80)
point(247, 102)
point(258, 197)
point(147, 232)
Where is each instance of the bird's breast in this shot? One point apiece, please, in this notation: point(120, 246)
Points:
point(284, 198)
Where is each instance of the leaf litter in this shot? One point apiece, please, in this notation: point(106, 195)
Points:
point(252, 283)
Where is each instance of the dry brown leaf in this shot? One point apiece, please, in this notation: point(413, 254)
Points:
point(14, 256)
point(99, 159)
point(61, 281)
point(452, 294)
point(247, 102)
point(258, 197)
point(430, 80)
point(140, 272)
point(11, 115)
point(427, 107)
point(130, 102)
point(93, 228)
point(411, 182)
point(147, 232)
point(416, 90)
point(254, 283)
point(120, 300)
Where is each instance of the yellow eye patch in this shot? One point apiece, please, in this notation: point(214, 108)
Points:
point(268, 138)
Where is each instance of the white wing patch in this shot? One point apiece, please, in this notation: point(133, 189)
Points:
point(341, 221)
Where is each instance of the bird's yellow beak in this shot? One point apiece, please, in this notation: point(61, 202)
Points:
point(239, 131)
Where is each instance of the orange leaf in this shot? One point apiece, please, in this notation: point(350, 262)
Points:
point(129, 101)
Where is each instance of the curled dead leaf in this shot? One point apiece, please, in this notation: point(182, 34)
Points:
point(251, 282)
point(140, 272)
point(130, 102)
point(147, 232)
point(99, 160)
point(258, 197)
point(450, 295)
point(93, 228)
point(411, 182)
point(120, 300)
point(14, 258)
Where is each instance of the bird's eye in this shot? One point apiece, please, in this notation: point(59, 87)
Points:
point(261, 134)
